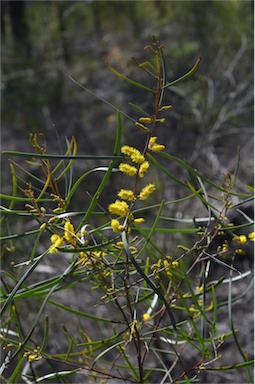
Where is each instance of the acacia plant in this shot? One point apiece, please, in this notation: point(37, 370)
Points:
point(153, 304)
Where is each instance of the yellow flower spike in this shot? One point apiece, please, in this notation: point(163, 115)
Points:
point(33, 356)
point(142, 127)
point(199, 288)
point(54, 238)
point(147, 191)
point(143, 168)
point(126, 194)
point(153, 146)
point(240, 252)
point(146, 317)
point(158, 148)
point(29, 206)
point(127, 169)
point(119, 208)
point(162, 120)
point(133, 153)
point(139, 220)
point(193, 309)
point(57, 210)
point(43, 226)
point(134, 239)
point(116, 226)
point(57, 241)
point(225, 246)
point(210, 307)
point(165, 108)
point(242, 239)
point(52, 219)
point(133, 250)
point(69, 232)
point(152, 141)
point(146, 120)
point(180, 246)
point(175, 264)
point(251, 236)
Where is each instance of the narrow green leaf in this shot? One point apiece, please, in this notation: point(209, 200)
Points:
point(21, 281)
point(101, 98)
point(81, 313)
point(186, 76)
point(56, 375)
point(64, 157)
point(140, 110)
point(129, 80)
point(163, 169)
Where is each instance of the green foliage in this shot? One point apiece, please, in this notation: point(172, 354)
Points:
point(158, 301)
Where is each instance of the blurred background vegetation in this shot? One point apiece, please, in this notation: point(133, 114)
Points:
point(43, 42)
point(46, 42)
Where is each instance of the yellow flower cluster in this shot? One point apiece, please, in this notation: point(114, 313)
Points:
point(126, 194)
point(154, 146)
point(134, 154)
point(119, 208)
point(242, 239)
point(33, 356)
point(197, 311)
point(145, 120)
point(146, 317)
point(251, 236)
point(147, 191)
point(90, 258)
point(164, 265)
point(139, 220)
point(128, 169)
point(69, 238)
point(57, 241)
point(138, 158)
point(116, 226)
point(143, 168)
point(224, 247)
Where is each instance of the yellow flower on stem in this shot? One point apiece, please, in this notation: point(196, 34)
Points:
point(143, 168)
point(116, 226)
point(146, 120)
point(155, 147)
point(251, 236)
point(126, 194)
point(133, 153)
point(119, 208)
point(242, 239)
point(240, 251)
point(127, 169)
point(146, 317)
point(147, 191)
point(69, 235)
point(139, 220)
point(57, 241)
